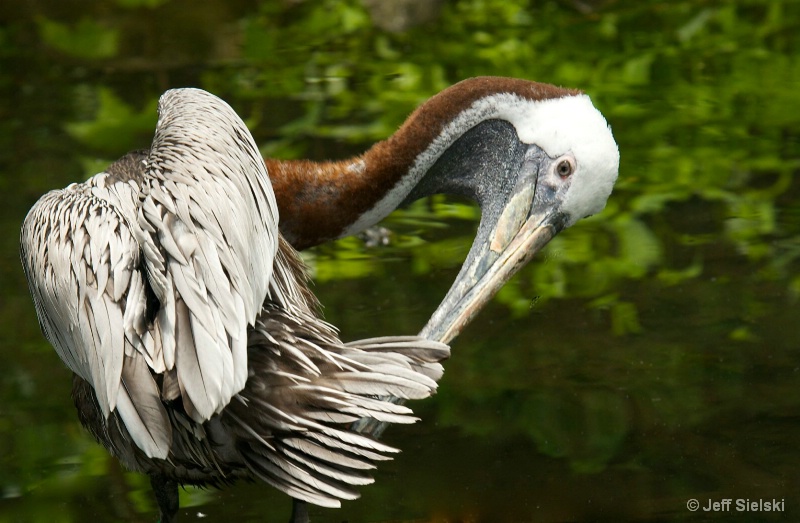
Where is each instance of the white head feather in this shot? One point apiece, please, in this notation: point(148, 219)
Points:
point(570, 125)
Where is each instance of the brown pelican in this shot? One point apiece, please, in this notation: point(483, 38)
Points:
point(198, 355)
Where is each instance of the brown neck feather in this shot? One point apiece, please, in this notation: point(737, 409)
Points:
point(317, 201)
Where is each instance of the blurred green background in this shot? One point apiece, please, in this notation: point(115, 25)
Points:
point(649, 356)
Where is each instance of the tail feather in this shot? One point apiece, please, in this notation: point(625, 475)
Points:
point(423, 355)
point(274, 475)
point(314, 448)
point(336, 445)
point(305, 390)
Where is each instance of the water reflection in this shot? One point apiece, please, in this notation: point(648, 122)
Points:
point(649, 358)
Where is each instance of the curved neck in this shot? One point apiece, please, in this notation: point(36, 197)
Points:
point(320, 201)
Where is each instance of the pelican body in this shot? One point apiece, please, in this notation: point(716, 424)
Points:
point(168, 284)
point(198, 353)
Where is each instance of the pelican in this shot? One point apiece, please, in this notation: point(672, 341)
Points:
point(198, 353)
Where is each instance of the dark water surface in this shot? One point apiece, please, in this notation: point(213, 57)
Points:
point(649, 357)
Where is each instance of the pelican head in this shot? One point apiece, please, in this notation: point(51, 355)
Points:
point(535, 167)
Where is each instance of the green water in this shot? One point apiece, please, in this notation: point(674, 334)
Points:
point(650, 356)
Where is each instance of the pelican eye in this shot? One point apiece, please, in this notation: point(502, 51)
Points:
point(565, 167)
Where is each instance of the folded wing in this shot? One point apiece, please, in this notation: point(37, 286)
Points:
point(82, 264)
point(209, 235)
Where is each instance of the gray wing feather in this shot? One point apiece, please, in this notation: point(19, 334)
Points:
point(209, 234)
point(83, 265)
point(140, 407)
point(72, 242)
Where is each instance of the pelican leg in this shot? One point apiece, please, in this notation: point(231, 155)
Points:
point(166, 491)
point(299, 511)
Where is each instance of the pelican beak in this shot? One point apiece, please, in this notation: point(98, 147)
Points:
point(509, 236)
